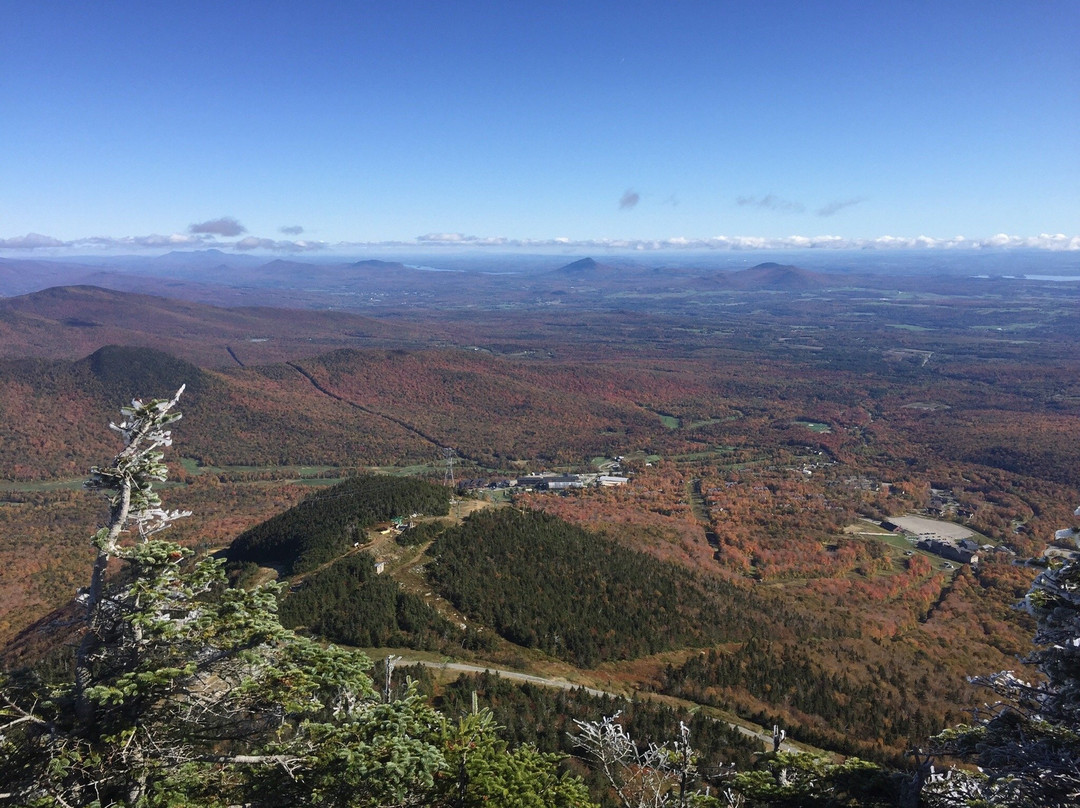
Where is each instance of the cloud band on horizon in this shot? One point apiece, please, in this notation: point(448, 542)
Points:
point(1044, 241)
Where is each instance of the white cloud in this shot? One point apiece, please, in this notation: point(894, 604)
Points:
point(443, 238)
point(461, 238)
point(252, 243)
point(143, 242)
point(31, 241)
point(451, 240)
point(1003, 241)
point(35, 241)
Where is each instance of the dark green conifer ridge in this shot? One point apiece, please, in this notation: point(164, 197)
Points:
point(543, 583)
point(348, 603)
point(327, 523)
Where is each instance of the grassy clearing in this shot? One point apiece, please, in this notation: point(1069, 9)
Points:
point(642, 457)
point(46, 485)
point(192, 466)
point(667, 419)
point(707, 422)
point(693, 457)
point(407, 471)
point(305, 475)
point(893, 539)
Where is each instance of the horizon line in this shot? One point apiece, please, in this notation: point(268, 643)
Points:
point(37, 243)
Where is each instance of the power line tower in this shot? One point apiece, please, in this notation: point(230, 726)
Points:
point(448, 470)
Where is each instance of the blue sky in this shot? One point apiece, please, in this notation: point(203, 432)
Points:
point(334, 126)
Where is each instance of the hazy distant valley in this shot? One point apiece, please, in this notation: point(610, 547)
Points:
point(769, 417)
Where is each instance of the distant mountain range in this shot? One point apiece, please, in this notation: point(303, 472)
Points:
point(378, 286)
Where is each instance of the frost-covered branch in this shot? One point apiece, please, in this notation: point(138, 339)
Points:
point(128, 485)
point(652, 776)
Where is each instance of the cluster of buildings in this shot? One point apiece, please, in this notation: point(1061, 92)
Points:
point(965, 551)
point(944, 504)
point(550, 481)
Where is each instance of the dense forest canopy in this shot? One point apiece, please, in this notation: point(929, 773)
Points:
point(328, 522)
point(349, 603)
point(543, 583)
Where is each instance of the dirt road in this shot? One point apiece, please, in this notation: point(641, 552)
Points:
point(516, 676)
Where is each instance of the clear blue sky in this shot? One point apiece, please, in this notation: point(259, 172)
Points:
point(357, 122)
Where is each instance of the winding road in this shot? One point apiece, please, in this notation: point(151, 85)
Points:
point(517, 676)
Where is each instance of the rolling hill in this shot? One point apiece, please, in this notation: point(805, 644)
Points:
point(72, 321)
point(775, 277)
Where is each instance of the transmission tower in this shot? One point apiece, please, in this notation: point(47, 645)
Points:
point(448, 473)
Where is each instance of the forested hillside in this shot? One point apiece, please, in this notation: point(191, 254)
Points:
point(829, 708)
point(328, 522)
point(542, 583)
point(180, 690)
point(266, 416)
point(847, 613)
point(70, 322)
point(348, 603)
point(545, 716)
